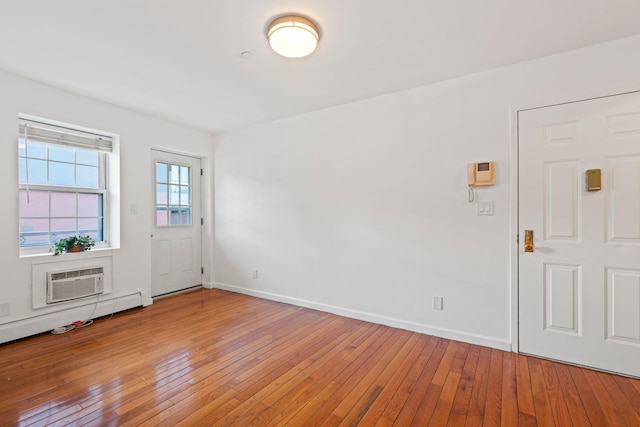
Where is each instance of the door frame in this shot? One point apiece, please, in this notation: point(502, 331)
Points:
point(201, 195)
point(514, 182)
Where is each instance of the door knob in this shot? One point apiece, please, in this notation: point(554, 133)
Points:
point(528, 240)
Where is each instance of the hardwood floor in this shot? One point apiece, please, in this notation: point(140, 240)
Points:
point(210, 357)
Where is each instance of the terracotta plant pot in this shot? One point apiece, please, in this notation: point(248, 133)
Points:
point(75, 248)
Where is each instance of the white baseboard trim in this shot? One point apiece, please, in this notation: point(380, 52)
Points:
point(17, 329)
point(374, 318)
point(208, 285)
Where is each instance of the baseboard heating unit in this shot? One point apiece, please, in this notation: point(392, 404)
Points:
point(73, 284)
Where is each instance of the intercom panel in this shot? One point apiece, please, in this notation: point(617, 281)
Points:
point(482, 173)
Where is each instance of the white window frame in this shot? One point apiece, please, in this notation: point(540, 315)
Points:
point(108, 186)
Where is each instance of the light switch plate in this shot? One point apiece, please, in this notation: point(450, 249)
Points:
point(484, 208)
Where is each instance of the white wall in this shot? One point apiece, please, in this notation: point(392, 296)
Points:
point(130, 265)
point(361, 209)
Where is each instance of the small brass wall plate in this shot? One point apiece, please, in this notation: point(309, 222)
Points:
point(528, 240)
point(594, 179)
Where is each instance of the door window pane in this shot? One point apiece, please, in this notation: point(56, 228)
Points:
point(185, 194)
point(161, 172)
point(184, 175)
point(174, 215)
point(185, 215)
point(162, 198)
point(173, 195)
point(161, 216)
point(174, 174)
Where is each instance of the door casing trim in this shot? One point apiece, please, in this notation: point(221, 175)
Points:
point(514, 181)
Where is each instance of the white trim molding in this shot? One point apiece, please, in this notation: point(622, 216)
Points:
point(374, 318)
point(21, 328)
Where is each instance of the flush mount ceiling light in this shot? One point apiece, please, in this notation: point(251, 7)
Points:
point(293, 36)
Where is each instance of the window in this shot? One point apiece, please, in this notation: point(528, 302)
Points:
point(62, 182)
point(173, 195)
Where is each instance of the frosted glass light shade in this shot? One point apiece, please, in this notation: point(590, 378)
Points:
point(293, 36)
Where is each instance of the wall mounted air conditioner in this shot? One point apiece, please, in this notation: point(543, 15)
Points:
point(73, 284)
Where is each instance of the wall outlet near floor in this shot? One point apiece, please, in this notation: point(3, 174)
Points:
point(254, 273)
point(4, 309)
point(437, 302)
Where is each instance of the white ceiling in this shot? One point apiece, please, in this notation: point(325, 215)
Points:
point(181, 59)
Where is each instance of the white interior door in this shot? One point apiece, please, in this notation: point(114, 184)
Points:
point(176, 249)
point(579, 291)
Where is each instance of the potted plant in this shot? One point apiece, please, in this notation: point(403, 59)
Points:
point(73, 244)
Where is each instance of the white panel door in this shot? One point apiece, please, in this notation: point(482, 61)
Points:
point(579, 290)
point(176, 238)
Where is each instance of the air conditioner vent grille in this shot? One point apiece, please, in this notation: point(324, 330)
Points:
point(73, 284)
point(77, 273)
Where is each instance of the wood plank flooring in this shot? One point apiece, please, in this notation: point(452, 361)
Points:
point(216, 358)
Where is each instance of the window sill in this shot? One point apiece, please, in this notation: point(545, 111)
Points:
point(41, 253)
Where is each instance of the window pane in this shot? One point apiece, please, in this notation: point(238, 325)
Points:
point(184, 175)
point(87, 157)
point(37, 171)
point(60, 173)
point(161, 172)
point(174, 194)
point(174, 174)
point(184, 196)
point(38, 205)
point(161, 194)
point(185, 214)
point(63, 228)
point(98, 236)
point(161, 216)
point(89, 205)
point(60, 153)
point(100, 205)
point(36, 150)
point(34, 232)
point(174, 215)
point(22, 170)
point(63, 205)
point(87, 176)
point(90, 226)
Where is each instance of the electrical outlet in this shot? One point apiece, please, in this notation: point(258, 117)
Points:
point(254, 273)
point(4, 309)
point(437, 302)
